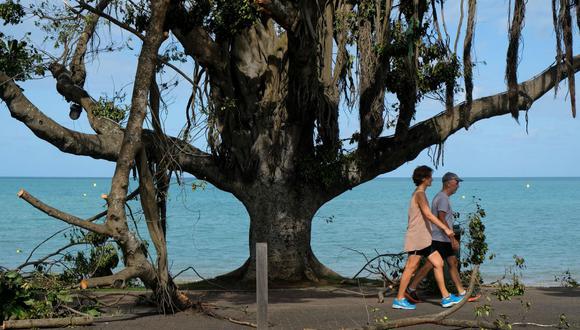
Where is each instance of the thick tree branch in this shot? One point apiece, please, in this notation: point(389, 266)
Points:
point(66, 140)
point(389, 153)
point(282, 11)
point(73, 93)
point(68, 218)
point(98, 11)
point(188, 158)
point(195, 40)
point(116, 217)
point(117, 280)
point(373, 68)
point(77, 65)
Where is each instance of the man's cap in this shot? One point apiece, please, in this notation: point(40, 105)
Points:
point(451, 176)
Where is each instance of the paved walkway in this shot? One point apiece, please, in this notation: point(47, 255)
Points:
point(332, 308)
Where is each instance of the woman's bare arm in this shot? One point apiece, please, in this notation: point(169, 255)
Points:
point(421, 199)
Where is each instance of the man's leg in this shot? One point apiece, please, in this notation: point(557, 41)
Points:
point(454, 273)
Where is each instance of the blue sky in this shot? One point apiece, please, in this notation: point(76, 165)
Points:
point(496, 147)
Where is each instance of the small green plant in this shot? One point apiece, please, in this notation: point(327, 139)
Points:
point(563, 322)
point(108, 108)
point(514, 287)
point(381, 318)
point(566, 280)
point(503, 322)
point(483, 310)
point(198, 184)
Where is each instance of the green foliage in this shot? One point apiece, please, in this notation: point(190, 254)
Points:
point(566, 280)
point(381, 318)
point(108, 108)
point(60, 24)
point(18, 59)
point(563, 322)
point(99, 260)
point(11, 12)
point(230, 17)
point(503, 322)
point(325, 167)
point(198, 184)
point(476, 245)
point(514, 287)
point(37, 296)
point(482, 310)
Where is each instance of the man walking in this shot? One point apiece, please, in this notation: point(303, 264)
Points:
point(446, 246)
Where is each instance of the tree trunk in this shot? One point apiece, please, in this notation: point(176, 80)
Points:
point(282, 217)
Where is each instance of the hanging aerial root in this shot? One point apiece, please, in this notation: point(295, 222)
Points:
point(566, 22)
point(467, 63)
point(512, 56)
point(558, 32)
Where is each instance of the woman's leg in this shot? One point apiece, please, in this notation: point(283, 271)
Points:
point(437, 262)
point(410, 267)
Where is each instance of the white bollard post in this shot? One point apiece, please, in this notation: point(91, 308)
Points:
point(262, 284)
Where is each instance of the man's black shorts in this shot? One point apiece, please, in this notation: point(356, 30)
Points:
point(444, 248)
point(423, 252)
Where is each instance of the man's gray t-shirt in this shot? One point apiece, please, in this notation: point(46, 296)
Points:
point(441, 203)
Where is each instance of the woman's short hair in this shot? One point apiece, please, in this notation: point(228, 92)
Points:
point(421, 173)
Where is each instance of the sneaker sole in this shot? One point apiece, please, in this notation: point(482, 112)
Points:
point(450, 304)
point(474, 298)
point(402, 307)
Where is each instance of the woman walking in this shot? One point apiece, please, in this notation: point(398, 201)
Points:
point(418, 241)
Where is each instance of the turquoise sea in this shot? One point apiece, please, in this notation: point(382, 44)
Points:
point(535, 218)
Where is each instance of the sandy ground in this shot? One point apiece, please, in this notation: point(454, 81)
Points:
point(332, 308)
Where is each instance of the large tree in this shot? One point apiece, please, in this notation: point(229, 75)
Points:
point(268, 80)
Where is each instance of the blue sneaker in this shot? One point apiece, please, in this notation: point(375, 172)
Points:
point(402, 304)
point(450, 301)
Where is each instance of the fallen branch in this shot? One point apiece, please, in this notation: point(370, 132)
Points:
point(249, 324)
point(373, 259)
point(91, 219)
point(116, 280)
point(68, 218)
point(48, 323)
point(438, 318)
point(75, 311)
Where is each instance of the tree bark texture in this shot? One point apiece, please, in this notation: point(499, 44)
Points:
point(282, 218)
